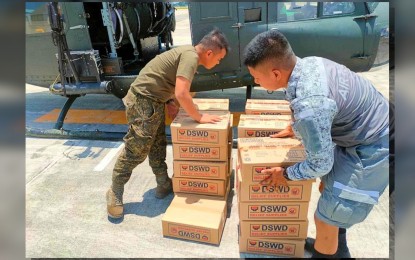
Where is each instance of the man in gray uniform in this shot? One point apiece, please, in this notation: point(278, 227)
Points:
point(167, 76)
point(342, 121)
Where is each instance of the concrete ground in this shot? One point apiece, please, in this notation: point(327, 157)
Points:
point(66, 181)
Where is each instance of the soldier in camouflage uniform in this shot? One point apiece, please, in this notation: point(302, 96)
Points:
point(167, 76)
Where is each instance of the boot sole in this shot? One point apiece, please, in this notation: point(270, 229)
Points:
point(116, 217)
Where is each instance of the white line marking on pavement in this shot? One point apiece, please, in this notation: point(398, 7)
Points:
point(101, 166)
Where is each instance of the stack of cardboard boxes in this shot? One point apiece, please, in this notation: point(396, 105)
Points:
point(272, 221)
point(201, 172)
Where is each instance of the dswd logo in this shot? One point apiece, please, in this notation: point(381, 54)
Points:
point(182, 132)
point(252, 242)
point(184, 183)
point(254, 208)
point(292, 211)
point(184, 149)
point(295, 191)
point(289, 249)
point(185, 167)
point(255, 227)
point(255, 188)
point(259, 169)
point(250, 133)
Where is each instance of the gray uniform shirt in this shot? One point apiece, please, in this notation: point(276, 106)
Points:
point(332, 106)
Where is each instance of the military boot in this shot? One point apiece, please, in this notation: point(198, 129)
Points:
point(165, 189)
point(115, 206)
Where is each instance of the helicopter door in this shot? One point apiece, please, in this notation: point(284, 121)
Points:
point(205, 16)
point(252, 20)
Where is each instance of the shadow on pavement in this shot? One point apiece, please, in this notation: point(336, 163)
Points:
point(150, 206)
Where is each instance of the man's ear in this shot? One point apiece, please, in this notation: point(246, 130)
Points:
point(277, 74)
point(209, 52)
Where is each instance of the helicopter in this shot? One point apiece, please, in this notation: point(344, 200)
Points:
point(79, 48)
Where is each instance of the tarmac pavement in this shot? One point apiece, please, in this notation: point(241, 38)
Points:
point(66, 181)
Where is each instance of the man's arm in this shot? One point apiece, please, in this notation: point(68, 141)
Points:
point(182, 93)
point(313, 120)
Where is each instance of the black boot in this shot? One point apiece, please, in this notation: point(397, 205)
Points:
point(343, 249)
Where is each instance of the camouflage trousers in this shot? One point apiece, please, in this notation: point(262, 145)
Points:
point(146, 136)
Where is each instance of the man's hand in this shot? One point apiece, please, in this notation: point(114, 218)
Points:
point(172, 110)
point(287, 132)
point(206, 118)
point(275, 178)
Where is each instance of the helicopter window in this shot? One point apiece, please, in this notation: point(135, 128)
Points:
point(296, 11)
point(252, 15)
point(337, 8)
point(37, 18)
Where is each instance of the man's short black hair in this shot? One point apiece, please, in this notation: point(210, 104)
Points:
point(269, 45)
point(215, 40)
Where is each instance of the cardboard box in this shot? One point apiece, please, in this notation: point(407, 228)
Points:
point(279, 247)
point(186, 130)
point(273, 210)
point(249, 190)
point(252, 160)
point(212, 103)
point(296, 190)
point(274, 229)
point(252, 173)
point(270, 142)
point(256, 158)
point(200, 186)
point(195, 218)
point(200, 169)
point(260, 125)
point(267, 107)
point(205, 196)
point(195, 152)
